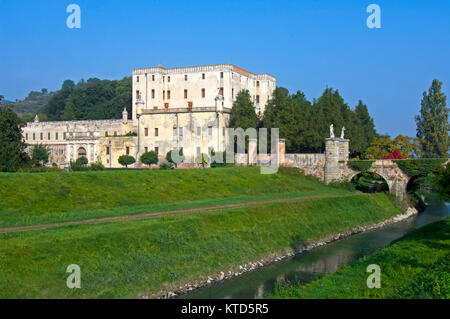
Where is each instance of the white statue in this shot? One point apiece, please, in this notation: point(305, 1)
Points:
point(342, 132)
point(331, 131)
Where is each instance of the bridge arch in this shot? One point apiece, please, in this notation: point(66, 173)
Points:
point(396, 179)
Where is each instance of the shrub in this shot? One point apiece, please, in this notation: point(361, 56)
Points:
point(360, 166)
point(442, 182)
point(81, 161)
point(126, 160)
point(169, 157)
point(166, 166)
point(202, 159)
point(149, 158)
point(96, 167)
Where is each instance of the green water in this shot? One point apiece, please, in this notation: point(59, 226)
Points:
point(323, 260)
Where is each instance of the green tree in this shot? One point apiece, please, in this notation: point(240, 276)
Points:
point(40, 154)
point(68, 84)
point(291, 115)
point(81, 161)
point(126, 160)
point(366, 123)
point(432, 122)
point(380, 146)
point(12, 146)
point(169, 157)
point(442, 182)
point(202, 159)
point(149, 158)
point(243, 113)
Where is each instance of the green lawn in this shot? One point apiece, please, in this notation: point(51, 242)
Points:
point(415, 266)
point(126, 259)
point(39, 198)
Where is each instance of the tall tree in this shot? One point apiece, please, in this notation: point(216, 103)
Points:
point(243, 113)
point(12, 146)
point(366, 122)
point(432, 122)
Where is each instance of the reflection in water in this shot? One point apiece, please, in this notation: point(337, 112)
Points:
point(323, 260)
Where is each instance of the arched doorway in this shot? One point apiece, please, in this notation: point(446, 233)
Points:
point(82, 152)
point(370, 182)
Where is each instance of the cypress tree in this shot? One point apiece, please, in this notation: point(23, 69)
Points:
point(432, 122)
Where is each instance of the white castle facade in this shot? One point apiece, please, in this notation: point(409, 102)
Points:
point(172, 108)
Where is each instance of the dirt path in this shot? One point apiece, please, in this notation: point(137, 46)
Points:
point(162, 213)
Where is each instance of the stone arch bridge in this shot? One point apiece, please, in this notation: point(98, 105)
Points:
point(333, 166)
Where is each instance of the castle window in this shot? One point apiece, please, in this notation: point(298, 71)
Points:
point(64, 135)
point(34, 136)
point(257, 99)
point(164, 95)
point(203, 76)
point(198, 151)
point(42, 136)
point(168, 94)
point(115, 133)
point(56, 135)
point(232, 93)
point(146, 131)
point(138, 95)
point(185, 77)
point(146, 149)
point(221, 75)
point(26, 136)
point(257, 83)
point(157, 150)
point(153, 94)
point(168, 79)
point(185, 94)
point(48, 136)
point(107, 150)
point(174, 131)
point(181, 132)
point(153, 77)
point(221, 91)
point(156, 131)
point(106, 133)
point(209, 130)
point(137, 78)
point(203, 93)
point(128, 150)
point(199, 131)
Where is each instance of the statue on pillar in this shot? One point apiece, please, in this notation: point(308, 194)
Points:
point(331, 131)
point(342, 132)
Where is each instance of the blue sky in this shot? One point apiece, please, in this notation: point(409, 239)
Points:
point(307, 45)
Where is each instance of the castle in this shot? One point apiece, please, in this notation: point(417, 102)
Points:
point(184, 108)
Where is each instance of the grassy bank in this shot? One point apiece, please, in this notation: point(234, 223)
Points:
point(415, 266)
point(129, 258)
point(36, 198)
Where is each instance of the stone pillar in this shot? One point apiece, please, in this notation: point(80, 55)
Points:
point(88, 152)
point(68, 153)
point(95, 152)
point(281, 150)
point(332, 159)
point(252, 151)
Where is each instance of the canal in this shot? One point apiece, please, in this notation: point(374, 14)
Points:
point(319, 261)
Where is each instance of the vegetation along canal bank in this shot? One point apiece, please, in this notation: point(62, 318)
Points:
point(163, 256)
